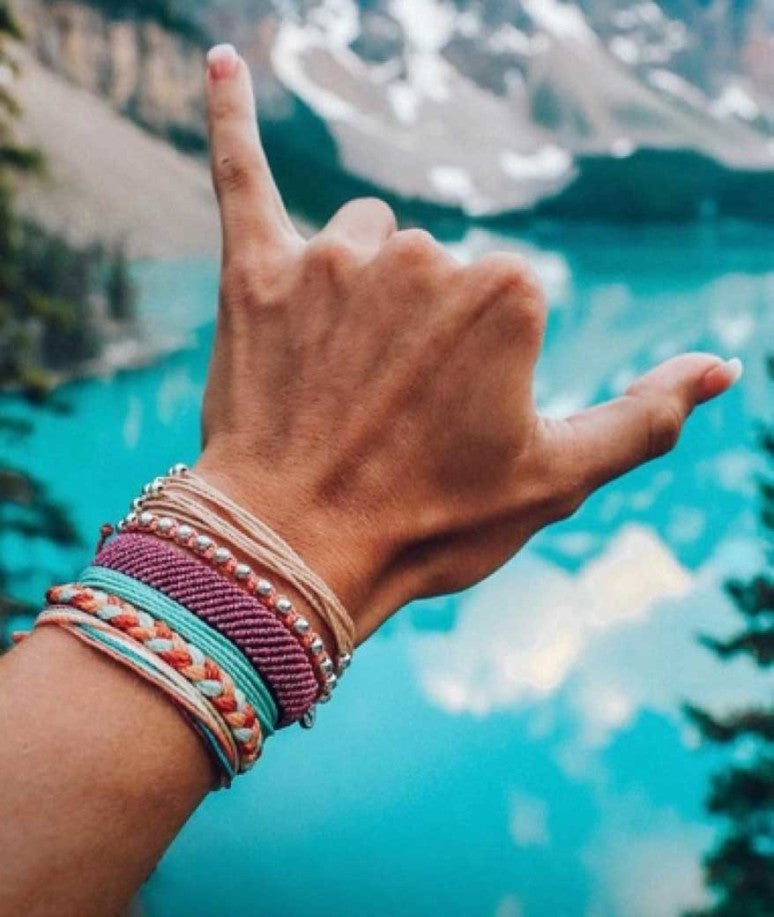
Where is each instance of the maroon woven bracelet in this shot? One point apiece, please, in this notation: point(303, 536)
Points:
point(238, 616)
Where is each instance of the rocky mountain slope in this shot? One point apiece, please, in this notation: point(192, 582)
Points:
point(105, 178)
point(494, 106)
point(614, 108)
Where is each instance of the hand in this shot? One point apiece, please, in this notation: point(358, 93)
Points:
point(371, 398)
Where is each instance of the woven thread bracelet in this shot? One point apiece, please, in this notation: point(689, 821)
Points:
point(157, 637)
point(241, 618)
point(190, 628)
point(204, 549)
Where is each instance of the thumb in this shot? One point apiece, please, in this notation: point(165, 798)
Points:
point(612, 438)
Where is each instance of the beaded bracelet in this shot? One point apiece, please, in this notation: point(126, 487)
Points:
point(222, 560)
point(184, 533)
point(210, 680)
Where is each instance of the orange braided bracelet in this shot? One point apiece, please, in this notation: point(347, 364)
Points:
point(186, 659)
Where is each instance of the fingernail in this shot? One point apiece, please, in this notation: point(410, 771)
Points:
point(734, 368)
point(222, 62)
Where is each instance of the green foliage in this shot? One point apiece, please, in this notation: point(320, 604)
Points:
point(55, 301)
point(739, 871)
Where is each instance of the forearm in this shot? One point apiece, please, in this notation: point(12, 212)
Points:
point(100, 771)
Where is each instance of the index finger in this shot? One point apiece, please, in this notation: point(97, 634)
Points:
point(251, 208)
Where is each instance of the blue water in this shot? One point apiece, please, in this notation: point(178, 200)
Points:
point(518, 749)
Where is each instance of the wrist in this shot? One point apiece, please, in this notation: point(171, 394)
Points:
point(333, 543)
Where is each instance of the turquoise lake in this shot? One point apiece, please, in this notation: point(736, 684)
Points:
point(518, 749)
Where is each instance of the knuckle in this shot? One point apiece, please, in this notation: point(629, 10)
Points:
point(329, 256)
point(414, 246)
point(233, 173)
point(378, 209)
point(511, 284)
point(664, 421)
point(250, 282)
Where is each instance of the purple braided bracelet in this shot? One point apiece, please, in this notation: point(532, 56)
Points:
point(240, 617)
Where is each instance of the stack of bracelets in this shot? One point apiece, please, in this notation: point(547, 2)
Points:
point(164, 598)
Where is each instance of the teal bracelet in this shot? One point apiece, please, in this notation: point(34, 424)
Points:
point(119, 648)
point(193, 629)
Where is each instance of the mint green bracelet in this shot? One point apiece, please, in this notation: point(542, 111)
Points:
point(119, 647)
point(193, 629)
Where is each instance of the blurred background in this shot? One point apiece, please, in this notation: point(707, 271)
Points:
point(590, 731)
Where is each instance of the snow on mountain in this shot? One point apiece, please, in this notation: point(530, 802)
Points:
point(490, 105)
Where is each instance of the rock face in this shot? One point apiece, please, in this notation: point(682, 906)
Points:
point(145, 71)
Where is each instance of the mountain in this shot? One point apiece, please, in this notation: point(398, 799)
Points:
point(622, 109)
point(501, 105)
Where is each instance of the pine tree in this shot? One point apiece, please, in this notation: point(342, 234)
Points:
point(26, 509)
point(739, 870)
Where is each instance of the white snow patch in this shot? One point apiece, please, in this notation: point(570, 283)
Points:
point(549, 162)
point(404, 101)
point(339, 19)
point(563, 20)
point(622, 147)
point(469, 24)
point(508, 39)
point(676, 86)
point(456, 185)
point(625, 49)
point(734, 101)
point(427, 24)
point(290, 46)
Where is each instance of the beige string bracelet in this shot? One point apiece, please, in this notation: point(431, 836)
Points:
point(191, 499)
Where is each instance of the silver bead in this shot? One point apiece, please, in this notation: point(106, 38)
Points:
point(146, 518)
point(221, 555)
point(331, 681)
point(165, 525)
point(156, 486)
point(137, 504)
point(242, 571)
point(184, 533)
point(130, 518)
point(284, 605)
point(327, 666)
point(307, 720)
point(264, 588)
point(324, 698)
point(317, 646)
point(147, 490)
point(177, 469)
point(301, 626)
point(121, 525)
point(345, 660)
point(202, 543)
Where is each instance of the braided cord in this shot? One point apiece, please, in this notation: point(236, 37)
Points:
point(242, 618)
point(195, 631)
point(205, 674)
point(151, 668)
